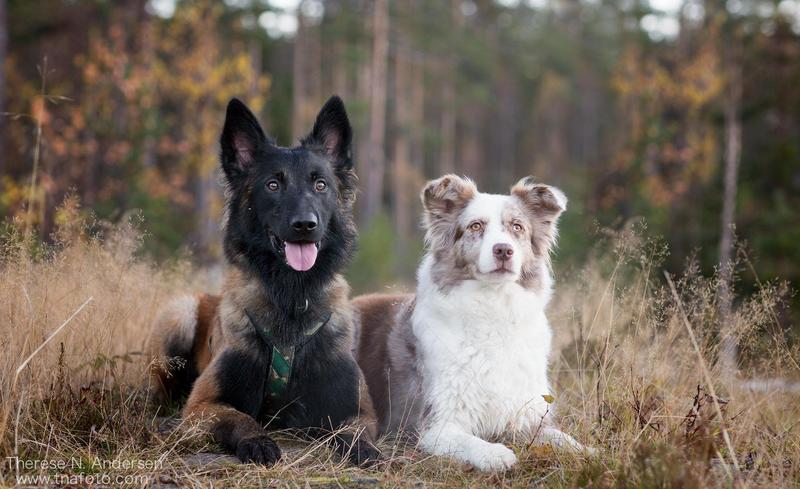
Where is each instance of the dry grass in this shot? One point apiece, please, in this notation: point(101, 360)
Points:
point(629, 379)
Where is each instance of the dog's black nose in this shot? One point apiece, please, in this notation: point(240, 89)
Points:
point(502, 251)
point(304, 223)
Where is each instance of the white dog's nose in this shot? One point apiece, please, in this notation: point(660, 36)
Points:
point(503, 251)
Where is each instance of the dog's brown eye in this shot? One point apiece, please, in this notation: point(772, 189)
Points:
point(517, 227)
point(475, 226)
point(320, 185)
point(273, 186)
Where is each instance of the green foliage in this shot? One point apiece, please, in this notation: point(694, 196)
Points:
point(375, 262)
point(167, 226)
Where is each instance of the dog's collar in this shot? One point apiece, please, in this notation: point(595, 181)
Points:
point(282, 356)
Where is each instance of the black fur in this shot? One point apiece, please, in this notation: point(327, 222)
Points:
point(358, 450)
point(249, 446)
point(183, 371)
point(241, 380)
point(324, 386)
point(258, 220)
point(323, 390)
point(325, 394)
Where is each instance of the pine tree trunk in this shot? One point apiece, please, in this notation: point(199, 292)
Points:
point(299, 74)
point(206, 189)
point(504, 129)
point(733, 146)
point(471, 142)
point(314, 98)
point(362, 127)
point(448, 123)
point(375, 163)
point(402, 150)
point(447, 152)
point(150, 99)
point(417, 130)
point(340, 68)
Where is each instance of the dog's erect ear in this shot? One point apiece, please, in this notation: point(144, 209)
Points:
point(242, 137)
point(333, 133)
point(544, 204)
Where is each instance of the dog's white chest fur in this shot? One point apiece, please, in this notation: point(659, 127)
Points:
point(479, 340)
point(483, 354)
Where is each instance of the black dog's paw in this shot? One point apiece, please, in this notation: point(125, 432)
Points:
point(364, 453)
point(259, 449)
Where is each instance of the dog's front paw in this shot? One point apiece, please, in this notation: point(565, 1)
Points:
point(364, 453)
point(494, 457)
point(357, 449)
point(260, 449)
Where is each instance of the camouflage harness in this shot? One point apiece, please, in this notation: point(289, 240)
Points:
point(282, 356)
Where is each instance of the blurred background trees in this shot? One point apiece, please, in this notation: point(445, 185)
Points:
point(633, 107)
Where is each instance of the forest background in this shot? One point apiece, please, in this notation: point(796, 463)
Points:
point(637, 109)
point(673, 126)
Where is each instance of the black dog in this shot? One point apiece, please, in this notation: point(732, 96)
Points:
point(276, 345)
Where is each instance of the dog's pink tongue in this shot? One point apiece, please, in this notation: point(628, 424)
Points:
point(301, 256)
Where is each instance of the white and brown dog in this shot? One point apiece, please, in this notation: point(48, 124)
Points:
point(464, 360)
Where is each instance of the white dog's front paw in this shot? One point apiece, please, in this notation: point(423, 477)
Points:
point(493, 457)
point(562, 440)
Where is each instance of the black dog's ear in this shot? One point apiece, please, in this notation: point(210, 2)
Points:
point(333, 133)
point(242, 137)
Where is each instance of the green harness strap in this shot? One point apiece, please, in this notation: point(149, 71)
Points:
point(282, 358)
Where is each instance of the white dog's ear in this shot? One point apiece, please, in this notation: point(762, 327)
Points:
point(543, 200)
point(446, 195)
point(544, 205)
point(443, 199)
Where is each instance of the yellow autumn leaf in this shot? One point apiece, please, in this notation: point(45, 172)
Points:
point(549, 399)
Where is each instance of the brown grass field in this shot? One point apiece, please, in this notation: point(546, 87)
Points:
point(633, 367)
